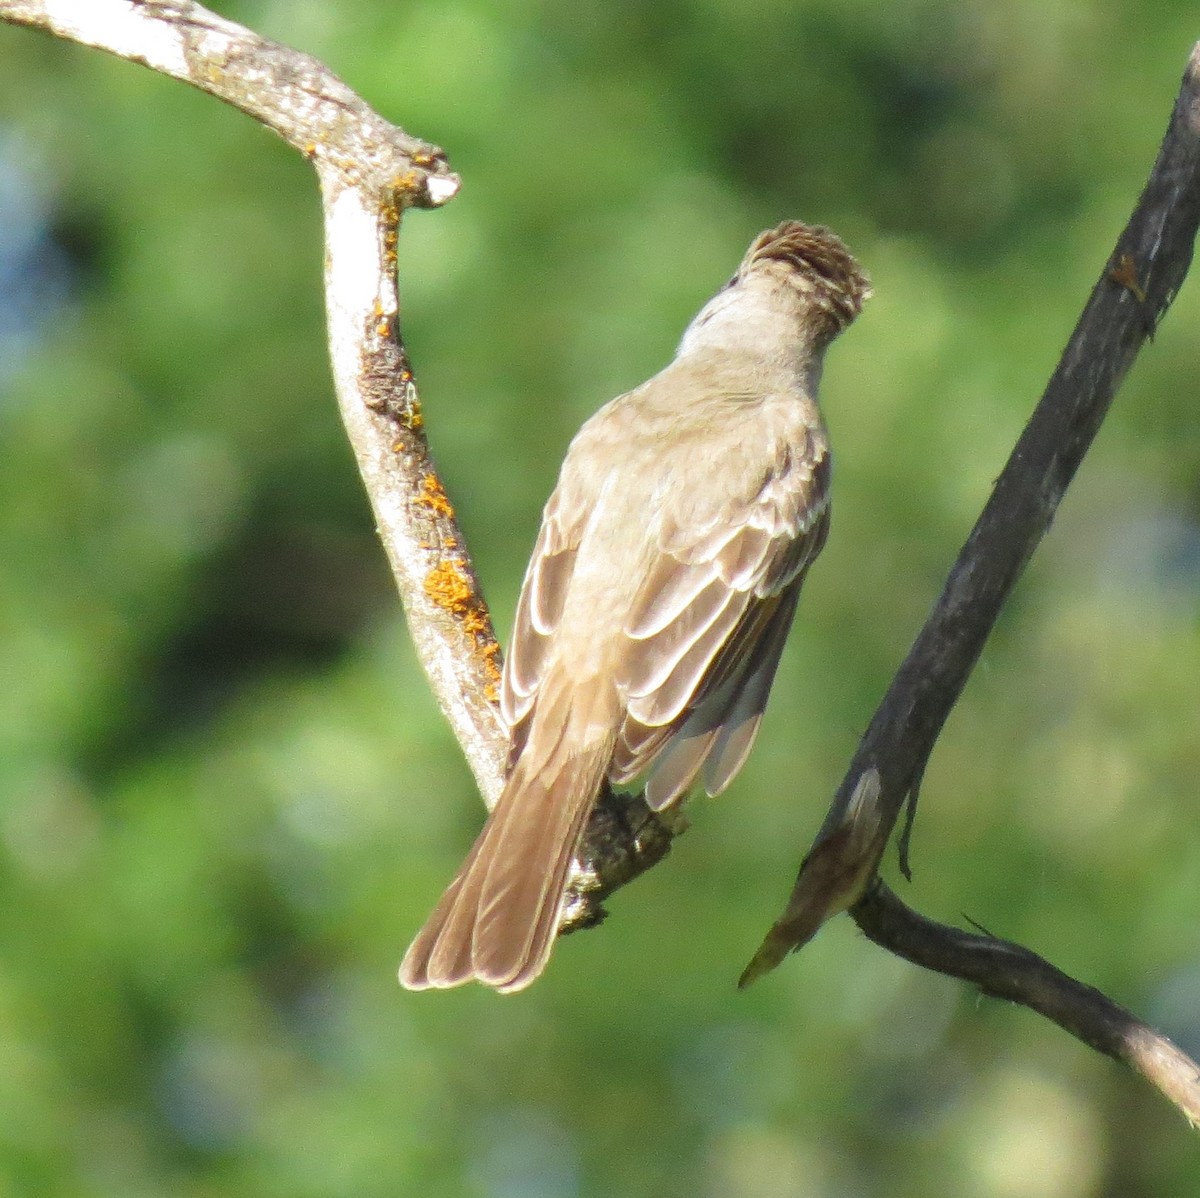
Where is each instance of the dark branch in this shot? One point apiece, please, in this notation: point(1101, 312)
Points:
point(1008, 971)
point(1138, 283)
point(1141, 278)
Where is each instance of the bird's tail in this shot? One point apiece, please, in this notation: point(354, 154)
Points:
point(497, 921)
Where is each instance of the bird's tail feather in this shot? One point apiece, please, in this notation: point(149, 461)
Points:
point(497, 921)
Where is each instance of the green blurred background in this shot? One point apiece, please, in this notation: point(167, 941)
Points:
point(227, 799)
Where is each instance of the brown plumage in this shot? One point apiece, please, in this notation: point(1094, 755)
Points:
point(658, 597)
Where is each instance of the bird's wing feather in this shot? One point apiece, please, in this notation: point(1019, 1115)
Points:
point(539, 610)
point(705, 632)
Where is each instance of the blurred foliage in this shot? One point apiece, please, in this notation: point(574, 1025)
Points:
point(226, 797)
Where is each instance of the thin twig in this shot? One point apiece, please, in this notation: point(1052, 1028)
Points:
point(1006, 970)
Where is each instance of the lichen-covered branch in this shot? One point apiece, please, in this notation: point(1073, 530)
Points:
point(370, 171)
point(285, 89)
point(377, 395)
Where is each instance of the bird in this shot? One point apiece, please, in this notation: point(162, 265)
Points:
point(660, 591)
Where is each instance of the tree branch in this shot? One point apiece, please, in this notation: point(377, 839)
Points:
point(1142, 277)
point(1005, 970)
point(369, 171)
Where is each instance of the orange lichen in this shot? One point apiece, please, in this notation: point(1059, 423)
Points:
point(390, 216)
point(449, 586)
point(476, 623)
point(433, 496)
point(423, 158)
point(409, 182)
point(490, 650)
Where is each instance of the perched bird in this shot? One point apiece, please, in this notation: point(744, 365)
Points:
point(658, 598)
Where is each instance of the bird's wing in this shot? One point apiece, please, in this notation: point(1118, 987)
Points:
point(539, 610)
point(705, 632)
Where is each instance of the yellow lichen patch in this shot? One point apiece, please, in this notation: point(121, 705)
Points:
point(449, 587)
point(433, 496)
point(424, 158)
point(409, 181)
point(490, 650)
point(390, 216)
point(476, 624)
point(410, 417)
point(413, 417)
